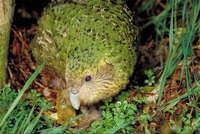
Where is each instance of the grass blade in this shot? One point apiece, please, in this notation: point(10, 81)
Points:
point(26, 123)
point(54, 130)
point(27, 84)
point(33, 123)
point(115, 129)
point(17, 124)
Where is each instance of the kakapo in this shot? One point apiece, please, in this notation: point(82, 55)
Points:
point(89, 43)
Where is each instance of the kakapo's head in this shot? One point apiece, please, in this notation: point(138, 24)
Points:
point(92, 85)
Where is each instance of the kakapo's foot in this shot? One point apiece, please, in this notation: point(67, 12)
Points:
point(92, 114)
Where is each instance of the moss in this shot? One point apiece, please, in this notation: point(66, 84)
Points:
point(4, 39)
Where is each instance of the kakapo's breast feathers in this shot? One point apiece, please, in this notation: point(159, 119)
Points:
point(76, 36)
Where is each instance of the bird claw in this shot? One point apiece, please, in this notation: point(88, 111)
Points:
point(92, 114)
point(58, 83)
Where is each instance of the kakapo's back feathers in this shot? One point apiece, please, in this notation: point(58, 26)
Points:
point(75, 36)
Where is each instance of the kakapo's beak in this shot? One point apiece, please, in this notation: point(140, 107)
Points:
point(74, 99)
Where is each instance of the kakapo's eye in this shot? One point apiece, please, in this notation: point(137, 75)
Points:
point(88, 78)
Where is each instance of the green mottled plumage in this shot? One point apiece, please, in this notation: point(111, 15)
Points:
point(94, 37)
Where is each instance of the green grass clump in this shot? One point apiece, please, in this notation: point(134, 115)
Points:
point(17, 115)
point(179, 22)
point(190, 125)
point(23, 118)
point(120, 116)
